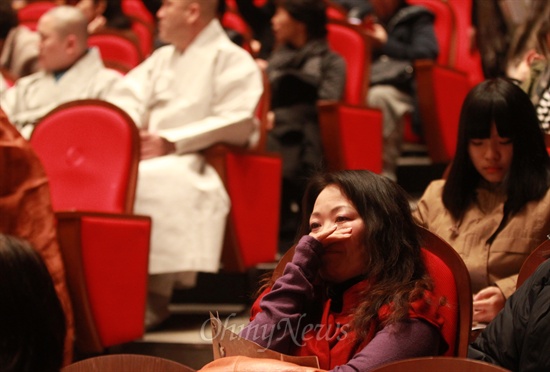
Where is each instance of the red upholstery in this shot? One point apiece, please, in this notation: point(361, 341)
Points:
point(233, 20)
point(445, 286)
point(117, 48)
point(30, 14)
point(79, 146)
point(145, 34)
point(350, 42)
point(137, 9)
point(90, 152)
point(445, 29)
point(352, 136)
point(468, 58)
point(116, 249)
point(441, 92)
point(336, 11)
point(451, 281)
point(351, 132)
point(253, 181)
point(256, 223)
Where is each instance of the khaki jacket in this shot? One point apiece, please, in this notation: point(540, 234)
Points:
point(497, 263)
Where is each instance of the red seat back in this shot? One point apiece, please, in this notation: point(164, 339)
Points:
point(468, 58)
point(351, 43)
point(254, 187)
point(445, 29)
point(352, 136)
point(336, 11)
point(30, 14)
point(88, 149)
point(117, 49)
point(116, 249)
point(452, 282)
point(145, 34)
point(137, 9)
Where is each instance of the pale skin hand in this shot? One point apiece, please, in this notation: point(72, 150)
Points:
point(487, 304)
point(377, 34)
point(153, 145)
point(331, 234)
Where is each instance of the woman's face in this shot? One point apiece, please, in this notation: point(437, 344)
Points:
point(492, 156)
point(344, 258)
point(285, 28)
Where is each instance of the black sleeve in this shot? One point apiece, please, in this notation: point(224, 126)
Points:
point(423, 43)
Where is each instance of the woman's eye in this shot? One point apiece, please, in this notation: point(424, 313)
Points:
point(475, 142)
point(506, 141)
point(341, 219)
point(313, 226)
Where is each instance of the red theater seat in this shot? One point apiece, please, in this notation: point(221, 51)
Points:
point(90, 153)
point(351, 132)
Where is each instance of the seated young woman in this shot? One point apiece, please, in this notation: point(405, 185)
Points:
point(356, 293)
point(494, 207)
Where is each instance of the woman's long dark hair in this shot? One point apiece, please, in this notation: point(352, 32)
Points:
point(501, 102)
point(33, 326)
point(393, 260)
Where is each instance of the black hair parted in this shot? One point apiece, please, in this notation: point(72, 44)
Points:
point(502, 103)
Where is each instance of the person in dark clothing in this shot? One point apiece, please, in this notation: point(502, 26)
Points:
point(301, 71)
point(400, 33)
point(258, 19)
point(357, 9)
point(517, 338)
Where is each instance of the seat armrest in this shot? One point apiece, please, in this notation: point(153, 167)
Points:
point(106, 261)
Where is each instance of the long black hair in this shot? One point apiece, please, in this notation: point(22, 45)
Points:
point(501, 102)
point(393, 260)
point(33, 326)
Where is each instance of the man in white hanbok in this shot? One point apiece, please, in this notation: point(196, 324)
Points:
point(69, 70)
point(198, 90)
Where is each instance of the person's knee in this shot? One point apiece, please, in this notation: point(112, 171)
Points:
point(378, 96)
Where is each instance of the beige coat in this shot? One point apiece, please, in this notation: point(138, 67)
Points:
point(497, 263)
point(206, 94)
point(35, 95)
point(20, 52)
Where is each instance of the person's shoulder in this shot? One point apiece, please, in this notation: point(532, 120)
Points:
point(413, 13)
point(435, 188)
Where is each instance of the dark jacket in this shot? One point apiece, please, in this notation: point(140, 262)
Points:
point(411, 36)
point(519, 337)
point(298, 78)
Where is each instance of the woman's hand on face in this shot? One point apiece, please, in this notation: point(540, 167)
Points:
point(331, 234)
point(487, 304)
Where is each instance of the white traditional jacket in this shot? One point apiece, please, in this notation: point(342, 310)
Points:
point(206, 94)
point(35, 95)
